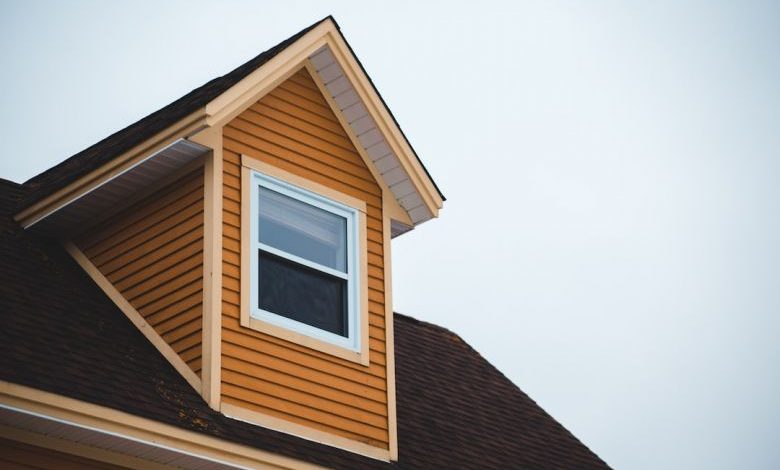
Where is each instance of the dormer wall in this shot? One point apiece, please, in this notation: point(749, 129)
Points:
point(273, 381)
point(295, 328)
point(175, 262)
point(152, 254)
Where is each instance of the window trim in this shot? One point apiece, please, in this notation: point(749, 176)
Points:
point(352, 276)
point(354, 348)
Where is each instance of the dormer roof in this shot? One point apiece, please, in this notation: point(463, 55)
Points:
point(70, 187)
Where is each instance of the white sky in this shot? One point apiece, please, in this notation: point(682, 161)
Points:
point(610, 239)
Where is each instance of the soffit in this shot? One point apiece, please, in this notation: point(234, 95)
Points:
point(96, 203)
point(369, 136)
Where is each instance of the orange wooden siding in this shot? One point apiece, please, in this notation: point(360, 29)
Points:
point(153, 254)
point(294, 129)
point(16, 456)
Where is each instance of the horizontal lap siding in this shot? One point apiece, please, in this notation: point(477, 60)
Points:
point(294, 129)
point(153, 254)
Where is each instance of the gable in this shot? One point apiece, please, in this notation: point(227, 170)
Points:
point(294, 128)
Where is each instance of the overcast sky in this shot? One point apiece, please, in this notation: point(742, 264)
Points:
point(610, 239)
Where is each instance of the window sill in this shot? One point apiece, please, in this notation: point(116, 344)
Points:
point(360, 357)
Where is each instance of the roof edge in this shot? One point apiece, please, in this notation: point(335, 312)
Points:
point(217, 100)
point(86, 415)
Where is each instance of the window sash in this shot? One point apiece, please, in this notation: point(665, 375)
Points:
point(352, 341)
point(290, 217)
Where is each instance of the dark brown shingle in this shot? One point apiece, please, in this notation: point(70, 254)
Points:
point(60, 333)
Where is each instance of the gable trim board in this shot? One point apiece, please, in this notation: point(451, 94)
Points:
point(326, 36)
point(119, 424)
point(231, 102)
point(389, 204)
point(134, 316)
point(392, 417)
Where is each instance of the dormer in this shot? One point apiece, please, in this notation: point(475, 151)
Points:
point(246, 230)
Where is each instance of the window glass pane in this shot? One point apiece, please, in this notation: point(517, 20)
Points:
point(302, 229)
point(303, 294)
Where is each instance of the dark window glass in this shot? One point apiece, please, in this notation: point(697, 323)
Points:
point(302, 294)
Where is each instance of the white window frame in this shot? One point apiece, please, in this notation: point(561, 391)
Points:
point(352, 341)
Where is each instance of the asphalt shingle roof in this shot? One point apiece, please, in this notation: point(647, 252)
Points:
point(60, 333)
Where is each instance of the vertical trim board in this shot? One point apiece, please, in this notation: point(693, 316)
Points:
point(212, 265)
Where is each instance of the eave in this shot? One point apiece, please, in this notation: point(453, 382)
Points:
point(117, 183)
point(73, 426)
point(361, 110)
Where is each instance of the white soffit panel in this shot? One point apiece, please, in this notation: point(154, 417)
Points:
point(25, 423)
point(369, 137)
point(103, 200)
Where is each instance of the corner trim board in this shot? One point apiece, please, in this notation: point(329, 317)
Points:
point(392, 419)
point(134, 316)
point(212, 266)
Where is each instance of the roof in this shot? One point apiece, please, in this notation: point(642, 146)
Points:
point(121, 141)
point(60, 333)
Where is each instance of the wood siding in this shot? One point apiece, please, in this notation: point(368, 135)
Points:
point(152, 253)
point(294, 129)
point(16, 455)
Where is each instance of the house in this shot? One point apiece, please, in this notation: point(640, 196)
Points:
point(210, 288)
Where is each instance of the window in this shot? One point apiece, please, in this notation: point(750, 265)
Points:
point(304, 262)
